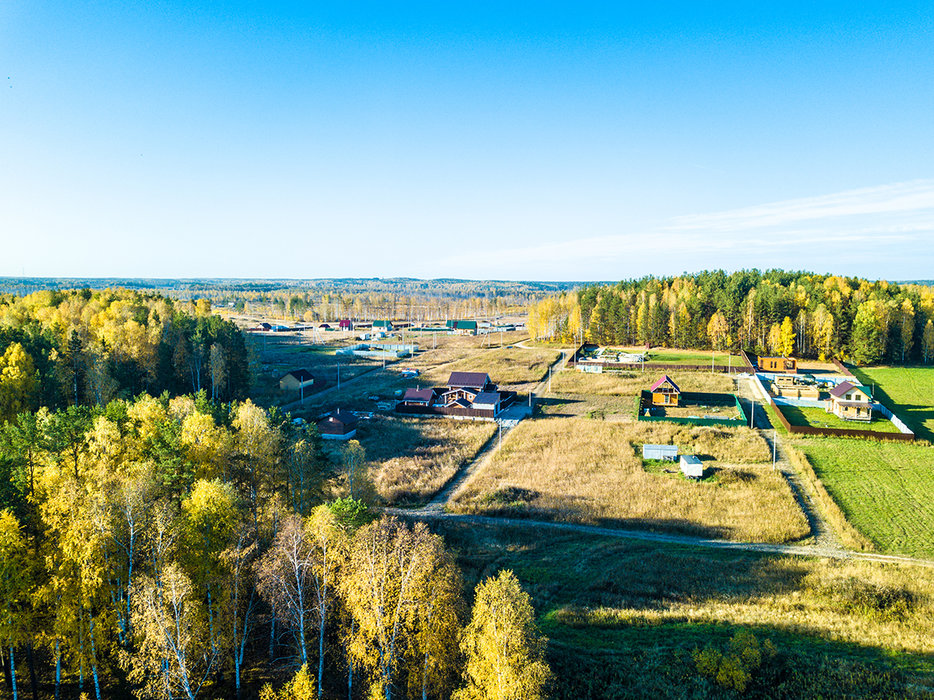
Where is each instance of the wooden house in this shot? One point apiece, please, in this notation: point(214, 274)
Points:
point(296, 380)
point(778, 364)
point(346, 324)
point(851, 402)
point(339, 425)
point(382, 325)
point(665, 392)
point(418, 397)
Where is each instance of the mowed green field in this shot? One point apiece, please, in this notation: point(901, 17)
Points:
point(884, 488)
point(908, 391)
point(819, 418)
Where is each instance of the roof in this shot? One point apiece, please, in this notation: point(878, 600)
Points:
point(487, 397)
point(348, 419)
point(665, 378)
point(418, 395)
point(382, 324)
point(302, 375)
point(660, 448)
point(690, 459)
point(844, 387)
point(469, 379)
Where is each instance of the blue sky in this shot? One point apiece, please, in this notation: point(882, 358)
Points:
point(536, 141)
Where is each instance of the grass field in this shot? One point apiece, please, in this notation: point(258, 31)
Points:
point(506, 366)
point(409, 459)
point(583, 470)
point(692, 357)
point(908, 392)
point(819, 418)
point(623, 618)
point(884, 488)
point(631, 383)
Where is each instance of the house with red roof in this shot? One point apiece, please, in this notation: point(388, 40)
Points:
point(665, 392)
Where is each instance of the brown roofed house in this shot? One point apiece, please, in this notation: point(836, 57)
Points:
point(340, 425)
point(851, 401)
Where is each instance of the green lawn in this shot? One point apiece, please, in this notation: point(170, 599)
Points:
point(690, 357)
point(819, 418)
point(908, 391)
point(884, 488)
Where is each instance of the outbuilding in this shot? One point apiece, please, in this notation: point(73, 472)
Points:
point(296, 380)
point(339, 425)
point(666, 452)
point(692, 467)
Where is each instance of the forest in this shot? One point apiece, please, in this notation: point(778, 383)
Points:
point(176, 548)
point(81, 347)
point(774, 312)
point(163, 537)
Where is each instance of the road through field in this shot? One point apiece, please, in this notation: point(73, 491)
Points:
point(825, 545)
point(454, 484)
point(780, 549)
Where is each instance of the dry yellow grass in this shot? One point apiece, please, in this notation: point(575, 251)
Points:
point(583, 470)
point(506, 366)
point(631, 383)
point(411, 458)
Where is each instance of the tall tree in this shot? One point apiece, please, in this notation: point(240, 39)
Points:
point(505, 652)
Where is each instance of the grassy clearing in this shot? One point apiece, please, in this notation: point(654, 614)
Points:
point(631, 383)
point(410, 459)
point(591, 471)
point(506, 366)
point(884, 488)
point(819, 418)
point(908, 391)
point(623, 618)
point(277, 354)
point(691, 357)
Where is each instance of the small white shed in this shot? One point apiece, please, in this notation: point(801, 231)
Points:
point(667, 452)
point(692, 467)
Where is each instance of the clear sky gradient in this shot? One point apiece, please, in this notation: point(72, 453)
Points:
point(539, 141)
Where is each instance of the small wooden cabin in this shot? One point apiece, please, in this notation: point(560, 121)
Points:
point(665, 392)
point(778, 364)
point(340, 425)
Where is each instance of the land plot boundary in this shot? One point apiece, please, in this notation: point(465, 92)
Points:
point(831, 432)
point(645, 401)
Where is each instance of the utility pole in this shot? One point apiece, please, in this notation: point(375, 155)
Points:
point(774, 446)
point(752, 415)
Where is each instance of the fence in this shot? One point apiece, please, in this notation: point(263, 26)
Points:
point(835, 432)
point(645, 399)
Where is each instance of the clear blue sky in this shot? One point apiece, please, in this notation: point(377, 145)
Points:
point(566, 141)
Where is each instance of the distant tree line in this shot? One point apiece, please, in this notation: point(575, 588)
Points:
point(776, 312)
point(62, 348)
point(183, 547)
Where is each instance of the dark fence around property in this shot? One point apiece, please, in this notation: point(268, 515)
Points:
point(445, 411)
point(832, 432)
point(842, 368)
point(645, 401)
